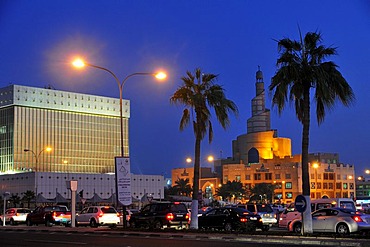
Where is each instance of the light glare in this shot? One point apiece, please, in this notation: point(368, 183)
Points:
point(78, 63)
point(161, 76)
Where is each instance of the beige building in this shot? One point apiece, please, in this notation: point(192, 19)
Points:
point(261, 156)
point(208, 182)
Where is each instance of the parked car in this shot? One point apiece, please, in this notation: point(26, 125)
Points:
point(342, 221)
point(230, 219)
point(15, 216)
point(287, 216)
point(161, 215)
point(291, 213)
point(265, 211)
point(95, 216)
point(49, 215)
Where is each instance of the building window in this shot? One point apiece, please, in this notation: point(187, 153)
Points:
point(257, 176)
point(288, 176)
point(268, 176)
point(288, 185)
point(331, 186)
point(338, 186)
point(288, 195)
point(237, 178)
point(325, 186)
point(318, 185)
point(351, 186)
point(338, 176)
point(277, 176)
point(248, 177)
point(345, 186)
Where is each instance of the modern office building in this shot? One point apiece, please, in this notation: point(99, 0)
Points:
point(82, 130)
point(83, 133)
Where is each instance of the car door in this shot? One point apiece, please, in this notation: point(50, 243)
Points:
point(82, 217)
point(221, 217)
point(143, 216)
point(319, 220)
point(331, 220)
point(207, 220)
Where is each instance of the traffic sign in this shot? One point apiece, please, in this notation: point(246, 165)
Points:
point(300, 203)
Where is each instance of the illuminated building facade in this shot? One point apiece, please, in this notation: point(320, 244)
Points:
point(82, 130)
point(260, 156)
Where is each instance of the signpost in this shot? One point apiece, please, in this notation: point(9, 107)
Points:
point(300, 203)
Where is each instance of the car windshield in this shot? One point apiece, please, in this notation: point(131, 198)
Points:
point(264, 208)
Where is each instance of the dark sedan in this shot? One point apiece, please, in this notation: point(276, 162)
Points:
point(230, 219)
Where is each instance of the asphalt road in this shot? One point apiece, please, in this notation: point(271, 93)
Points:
point(41, 239)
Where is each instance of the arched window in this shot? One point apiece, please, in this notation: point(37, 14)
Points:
point(253, 156)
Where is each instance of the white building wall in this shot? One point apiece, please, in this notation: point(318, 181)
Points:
point(49, 183)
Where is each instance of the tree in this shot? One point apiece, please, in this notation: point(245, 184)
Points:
point(263, 191)
point(28, 196)
point(15, 199)
point(302, 68)
point(183, 187)
point(223, 192)
point(198, 95)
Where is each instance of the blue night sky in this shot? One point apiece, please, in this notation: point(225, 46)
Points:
point(39, 38)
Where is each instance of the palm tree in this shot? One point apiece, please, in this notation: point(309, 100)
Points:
point(183, 187)
point(198, 95)
point(263, 190)
point(28, 196)
point(301, 67)
point(15, 199)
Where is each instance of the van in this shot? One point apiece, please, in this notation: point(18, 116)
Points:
point(333, 202)
point(291, 213)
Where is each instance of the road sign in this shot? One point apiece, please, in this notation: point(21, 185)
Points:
point(300, 203)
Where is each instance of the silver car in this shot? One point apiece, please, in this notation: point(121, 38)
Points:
point(337, 220)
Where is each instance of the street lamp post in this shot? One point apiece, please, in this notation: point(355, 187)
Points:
point(78, 63)
point(37, 156)
point(315, 166)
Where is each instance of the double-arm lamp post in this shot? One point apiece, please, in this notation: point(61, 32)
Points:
point(79, 63)
point(37, 156)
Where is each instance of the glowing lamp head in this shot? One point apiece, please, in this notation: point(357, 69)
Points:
point(78, 63)
point(48, 149)
point(160, 75)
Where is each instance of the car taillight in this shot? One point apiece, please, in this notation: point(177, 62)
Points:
point(243, 219)
point(187, 216)
point(169, 216)
point(101, 214)
point(356, 218)
point(55, 214)
point(17, 214)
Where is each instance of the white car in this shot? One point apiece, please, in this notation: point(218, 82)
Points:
point(15, 216)
point(97, 216)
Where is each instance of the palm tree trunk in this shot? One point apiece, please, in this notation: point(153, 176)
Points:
point(307, 219)
point(194, 204)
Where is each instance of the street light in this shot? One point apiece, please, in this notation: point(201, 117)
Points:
point(79, 63)
point(37, 156)
point(315, 166)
